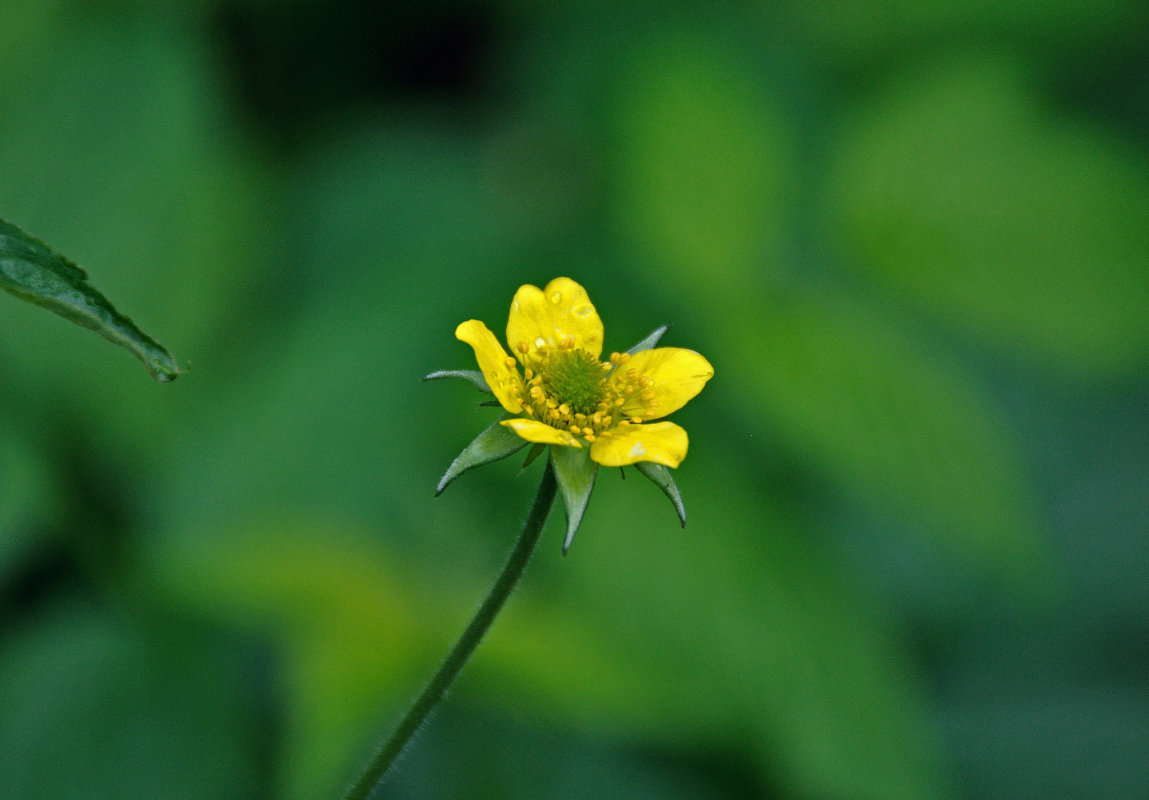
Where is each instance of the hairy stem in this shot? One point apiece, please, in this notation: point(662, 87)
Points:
point(389, 751)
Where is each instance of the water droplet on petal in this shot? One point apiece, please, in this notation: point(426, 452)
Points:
point(556, 297)
point(582, 311)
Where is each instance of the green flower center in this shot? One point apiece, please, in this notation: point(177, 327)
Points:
point(570, 389)
point(575, 378)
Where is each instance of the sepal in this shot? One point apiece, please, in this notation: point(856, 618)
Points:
point(494, 443)
point(472, 376)
point(650, 341)
point(536, 451)
point(575, 474)
point(665, 481)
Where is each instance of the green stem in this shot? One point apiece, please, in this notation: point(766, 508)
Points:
point(385, 756)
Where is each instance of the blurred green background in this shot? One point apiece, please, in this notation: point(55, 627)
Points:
point(912, 237)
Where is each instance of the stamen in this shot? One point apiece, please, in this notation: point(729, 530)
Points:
point(571, 390)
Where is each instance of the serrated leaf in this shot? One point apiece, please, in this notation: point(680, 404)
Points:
point(496, 442)
point(32, 271)
point(473, 376)
point(575, 474)
point(662, 478)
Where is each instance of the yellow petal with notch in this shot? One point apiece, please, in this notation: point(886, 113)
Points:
point(545, 317)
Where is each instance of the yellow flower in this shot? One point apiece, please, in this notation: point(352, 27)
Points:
point(561, 393)
point(557, 391)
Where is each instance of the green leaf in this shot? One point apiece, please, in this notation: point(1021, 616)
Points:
point(471, 375)
point(665, 481)
point(701, 163)
point(99, 704)
point(30, 270)
point(1025, 228)
point(575, 473)
point(849, 34)
point(29, 497)
point(890, 418)
point(496, 442)
point(354, 639)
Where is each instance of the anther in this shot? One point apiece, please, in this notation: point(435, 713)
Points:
point(523, 348)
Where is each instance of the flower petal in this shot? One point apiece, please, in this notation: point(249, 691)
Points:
point(678, 375)
point(504, 380)
point(660, 442)
point(548, 316)
point(534, 431)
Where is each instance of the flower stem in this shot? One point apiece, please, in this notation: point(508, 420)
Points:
point(389, 751)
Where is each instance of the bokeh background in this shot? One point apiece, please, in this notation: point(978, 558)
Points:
point(912, 237)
